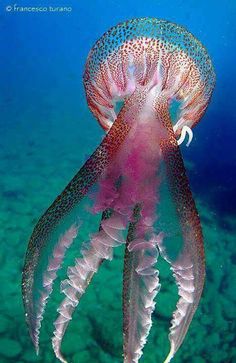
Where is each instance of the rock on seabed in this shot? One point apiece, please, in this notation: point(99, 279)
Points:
point(9, 348)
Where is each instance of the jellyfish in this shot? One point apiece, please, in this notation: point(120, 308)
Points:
point(133, 190)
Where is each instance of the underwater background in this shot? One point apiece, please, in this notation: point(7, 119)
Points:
point(46, 134)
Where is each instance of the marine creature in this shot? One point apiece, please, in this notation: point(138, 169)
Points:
point(133, 188)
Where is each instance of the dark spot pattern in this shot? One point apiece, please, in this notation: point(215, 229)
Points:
point(144, 45)
point(63, 204)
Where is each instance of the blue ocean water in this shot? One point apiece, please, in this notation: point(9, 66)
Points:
point(46, 134)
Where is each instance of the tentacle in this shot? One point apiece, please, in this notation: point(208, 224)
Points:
point(185, 131)
point(188, 264)
point(80, 275)
point(140, 286)
point(62, 218)
point(50, 274)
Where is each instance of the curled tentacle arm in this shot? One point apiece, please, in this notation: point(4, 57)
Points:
point(93, 254)
point(185, 131)
point(140, 286)
point(189, 267)
point(62, 216)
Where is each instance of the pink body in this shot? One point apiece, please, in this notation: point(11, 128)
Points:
point(147, 64)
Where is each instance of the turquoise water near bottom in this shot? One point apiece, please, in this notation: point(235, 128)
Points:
point(46, 134)
point(37, 165)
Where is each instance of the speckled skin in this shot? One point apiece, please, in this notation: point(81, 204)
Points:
point(146, 44)
point(187, 213)
point(71, 195)
point(147, 63)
